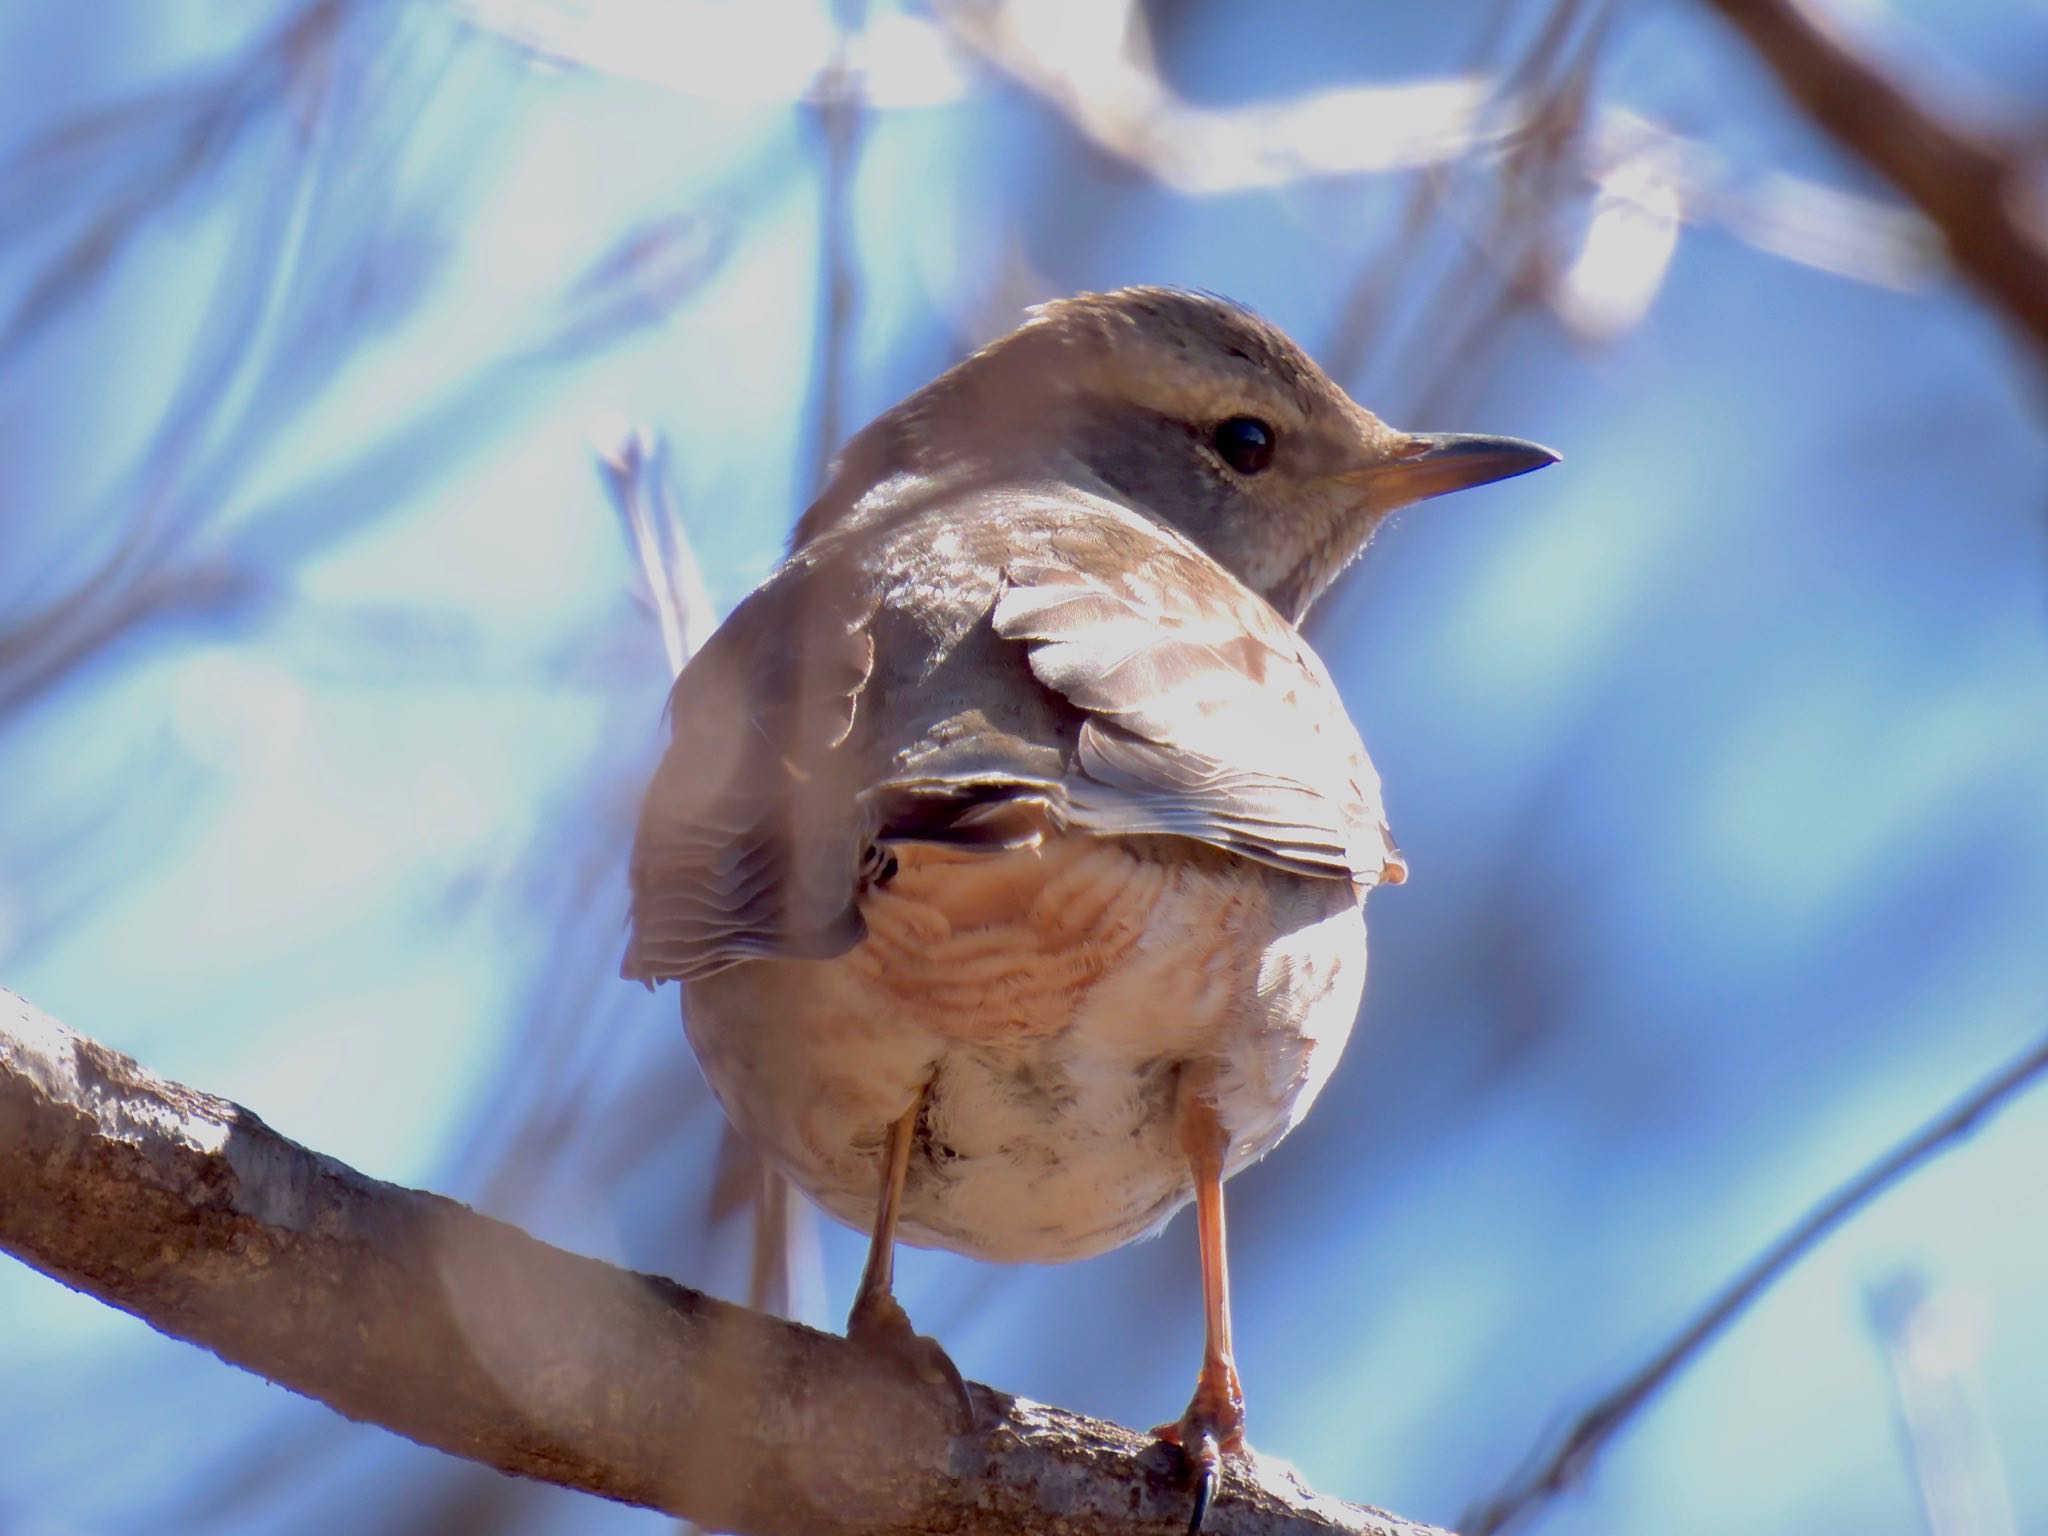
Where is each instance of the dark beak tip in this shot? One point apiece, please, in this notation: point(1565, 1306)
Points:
point(1481, 445)
point(1532, 457)
point(1454, 461)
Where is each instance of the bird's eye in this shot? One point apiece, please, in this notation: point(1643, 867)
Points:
point(1245, 443)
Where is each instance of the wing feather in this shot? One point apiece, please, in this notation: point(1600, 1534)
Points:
point(750, 836)
point(1207, 716)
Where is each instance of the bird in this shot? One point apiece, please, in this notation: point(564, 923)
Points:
point(1011, 844)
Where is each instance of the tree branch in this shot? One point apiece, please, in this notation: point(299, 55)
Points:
point(408, 1310)
point(1971, 182)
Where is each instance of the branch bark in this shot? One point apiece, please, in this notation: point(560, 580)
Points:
point(1972, 183)
point(408, 1310)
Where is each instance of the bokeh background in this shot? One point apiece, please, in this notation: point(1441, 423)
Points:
point(336, 336)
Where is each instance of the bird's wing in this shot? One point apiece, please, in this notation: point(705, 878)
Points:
point(1010, 662)
point(747, 844)
point(1205, 714)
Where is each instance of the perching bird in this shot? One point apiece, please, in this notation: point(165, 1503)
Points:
point(1012, 844)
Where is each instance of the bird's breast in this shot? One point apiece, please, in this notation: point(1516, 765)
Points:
point(1028, 945)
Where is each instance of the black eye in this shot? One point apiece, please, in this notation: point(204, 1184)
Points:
point(1246, 444)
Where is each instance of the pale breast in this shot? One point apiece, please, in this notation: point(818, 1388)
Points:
point(1050, 997)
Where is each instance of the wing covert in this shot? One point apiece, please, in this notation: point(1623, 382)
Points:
point(1206, 715)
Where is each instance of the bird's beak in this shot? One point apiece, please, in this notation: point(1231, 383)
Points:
point(1430, 464)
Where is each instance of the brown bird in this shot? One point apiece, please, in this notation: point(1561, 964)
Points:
point(1012, 844)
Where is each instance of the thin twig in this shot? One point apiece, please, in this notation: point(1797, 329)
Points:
point(1547, 1474)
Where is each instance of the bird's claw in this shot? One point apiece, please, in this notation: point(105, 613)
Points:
point(1205, 1494)
point(932, 1364)
point(881, 1326)
point(1212, 1428)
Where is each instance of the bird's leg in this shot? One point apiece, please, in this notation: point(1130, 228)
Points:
point(877, 1316)
point(1213, 1426)
point(878, 1321)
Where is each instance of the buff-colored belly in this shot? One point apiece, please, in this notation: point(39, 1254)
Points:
point(1050, 998)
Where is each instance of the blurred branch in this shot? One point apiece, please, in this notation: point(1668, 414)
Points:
point(153, 572)
point(1530, 128)
point(283, 303)
point(634, 469)
point(1548, 1473)
point(127, 163)
point(1101, 78)
point(1515, 259)
point(1363, 319)
point(407, 1310)
point(839, 112)
point(54, 640)
point(1976, 186)
point(1934, 1345)
point(1094, 66)
point(329, 248)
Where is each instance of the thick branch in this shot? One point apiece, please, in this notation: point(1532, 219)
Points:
point(408, 1310)
point(1972, 185)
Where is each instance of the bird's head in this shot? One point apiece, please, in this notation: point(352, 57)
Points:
point(1197, 414)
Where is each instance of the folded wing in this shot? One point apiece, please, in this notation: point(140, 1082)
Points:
point(1205, 714)
point(1016, 663)
point(749, 840)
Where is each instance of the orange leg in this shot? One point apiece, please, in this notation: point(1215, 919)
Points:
point(1213, 1426)
point(878, 1321)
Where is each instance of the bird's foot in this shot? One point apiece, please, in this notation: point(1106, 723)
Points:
point(1212, 1428)
point(879, 1325)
